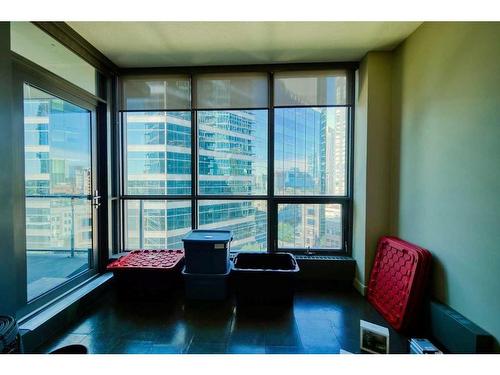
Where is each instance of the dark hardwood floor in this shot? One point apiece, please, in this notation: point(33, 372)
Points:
point(320, 321)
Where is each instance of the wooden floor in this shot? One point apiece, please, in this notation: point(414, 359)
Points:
point(318, 322)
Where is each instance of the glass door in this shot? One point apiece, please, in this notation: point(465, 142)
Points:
point(61, 199)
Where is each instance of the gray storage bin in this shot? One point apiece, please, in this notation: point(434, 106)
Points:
point(207, 251)
point(208, 287)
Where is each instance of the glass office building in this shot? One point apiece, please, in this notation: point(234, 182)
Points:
point(58, 183)
point(232, 149)
point(310, 146)
point(310, 160)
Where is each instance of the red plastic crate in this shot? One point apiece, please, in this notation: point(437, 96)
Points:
point(398, 281)
point(148, 260)
point(148, 273)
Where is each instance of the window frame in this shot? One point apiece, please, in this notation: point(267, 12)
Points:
point(272, 200)
point(27, 72)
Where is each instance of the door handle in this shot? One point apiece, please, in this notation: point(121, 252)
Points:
point(96, 199)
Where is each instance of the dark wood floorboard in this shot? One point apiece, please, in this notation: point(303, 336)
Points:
point(320, 322)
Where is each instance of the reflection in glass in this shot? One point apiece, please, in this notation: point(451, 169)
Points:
point(58, 183)
point(59, 241)
point(247, 220)
point(232, 152)
point(158, 153)
point(156, 224)
point(314, 226)
point(56, 144)
point(310, 151)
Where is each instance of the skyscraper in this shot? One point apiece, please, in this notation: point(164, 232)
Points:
point(159, 162)
point(58, 185)
point(232, 160)
point(57, 174)
point(310, 146)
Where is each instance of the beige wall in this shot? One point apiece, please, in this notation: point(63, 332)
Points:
point(446, 120)
point(372, 166)
point(427, 160)
point(359, 191)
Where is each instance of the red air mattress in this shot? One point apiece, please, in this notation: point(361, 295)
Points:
point(398, 281)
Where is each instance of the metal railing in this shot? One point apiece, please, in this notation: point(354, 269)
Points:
point(72, 197)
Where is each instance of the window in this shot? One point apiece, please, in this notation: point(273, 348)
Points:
point(232, 152)
point(156, 224)
point(158, 153)
point(310, 147)
point(212, 158)
point(58, 182)
point(246, 218)
point(310, 226)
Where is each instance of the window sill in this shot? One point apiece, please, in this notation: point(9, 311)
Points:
point(325, 257)
point(46, 321)
point(298, 256)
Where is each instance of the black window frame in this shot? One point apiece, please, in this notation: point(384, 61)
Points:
point(272, 200)
point(17, 70)
point(27, 72)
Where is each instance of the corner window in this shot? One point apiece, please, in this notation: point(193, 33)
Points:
point(275, 173)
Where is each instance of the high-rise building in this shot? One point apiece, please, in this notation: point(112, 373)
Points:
point(232, 160)
point(310, 149)
point(159, 162)
point(57, 175)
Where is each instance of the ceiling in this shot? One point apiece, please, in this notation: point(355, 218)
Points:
point(163, 44)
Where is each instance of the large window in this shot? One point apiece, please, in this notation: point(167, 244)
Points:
point(311, 145)
point(223, 151)
point(58, 180)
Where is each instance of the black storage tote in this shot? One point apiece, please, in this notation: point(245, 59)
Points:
point(264, 278)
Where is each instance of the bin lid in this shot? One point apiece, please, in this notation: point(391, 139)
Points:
point(212, 235)
point(8, 331)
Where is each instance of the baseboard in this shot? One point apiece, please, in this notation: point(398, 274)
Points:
point(360, 287)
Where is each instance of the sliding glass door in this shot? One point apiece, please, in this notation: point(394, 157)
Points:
point(61, 199)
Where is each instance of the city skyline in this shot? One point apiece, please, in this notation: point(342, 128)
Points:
point(232, 159)
point(309, 159)
point(58, 185)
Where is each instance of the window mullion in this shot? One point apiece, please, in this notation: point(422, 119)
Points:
point(194, 156)
point(272, 221)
